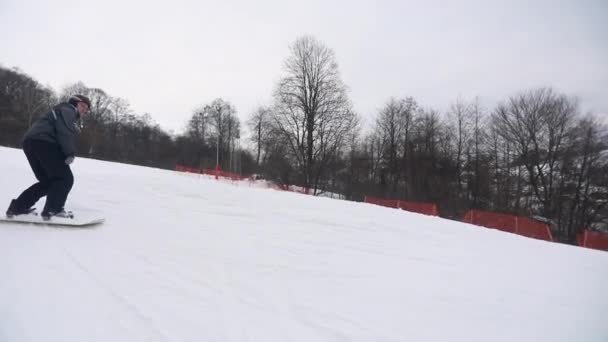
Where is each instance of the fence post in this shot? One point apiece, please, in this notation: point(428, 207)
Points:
point(585, 238)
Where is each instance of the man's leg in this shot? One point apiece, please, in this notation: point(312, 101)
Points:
point(59, 190)
point(31, 195)
point(60, 177)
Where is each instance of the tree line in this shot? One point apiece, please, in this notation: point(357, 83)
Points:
point(533, 154)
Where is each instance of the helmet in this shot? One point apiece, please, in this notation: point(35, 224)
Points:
point(74, 99)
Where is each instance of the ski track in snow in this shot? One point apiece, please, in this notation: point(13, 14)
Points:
point(187, 258)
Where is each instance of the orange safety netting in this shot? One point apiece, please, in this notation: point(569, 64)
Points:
point(217, 173)
point(509, 223)
point(417, 207)
point(595, 240)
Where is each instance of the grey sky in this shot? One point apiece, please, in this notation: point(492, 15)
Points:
point(168, 57)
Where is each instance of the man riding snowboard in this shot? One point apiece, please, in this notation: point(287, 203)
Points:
point(50, 148)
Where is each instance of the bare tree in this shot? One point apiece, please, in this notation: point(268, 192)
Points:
point(259, 125)
point(222, 117)
point(479, 132)
point(312, 109)
point(36, 99)
point(393, 127)
point(537, 124)
point(460, 116)
point(234, 135)
point(583, 183)
point(196, 128)
point(390, 128)
point(407, 121)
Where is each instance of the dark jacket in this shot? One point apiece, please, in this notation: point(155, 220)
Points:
point(59, 126)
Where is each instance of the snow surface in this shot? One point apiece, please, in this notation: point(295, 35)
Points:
point(187, 258)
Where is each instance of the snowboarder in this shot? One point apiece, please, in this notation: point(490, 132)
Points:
point(50, 148)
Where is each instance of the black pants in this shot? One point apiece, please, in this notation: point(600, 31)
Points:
point(54, 177)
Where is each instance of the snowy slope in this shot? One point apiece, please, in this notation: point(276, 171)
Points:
point(185, 258)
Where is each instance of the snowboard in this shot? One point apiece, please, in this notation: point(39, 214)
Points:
point(81, 218)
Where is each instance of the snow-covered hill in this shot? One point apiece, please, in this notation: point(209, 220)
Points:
point(186, 258)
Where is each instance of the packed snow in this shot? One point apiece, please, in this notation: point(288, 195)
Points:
point(187, 258)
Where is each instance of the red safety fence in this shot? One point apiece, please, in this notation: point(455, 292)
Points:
point(509, 223)
point(533, 229)
point(234, 176)
point(217, 173)
point(383, 202)
point(417, 207)
point(595, 240)
point(181, 168)
point(503, 222)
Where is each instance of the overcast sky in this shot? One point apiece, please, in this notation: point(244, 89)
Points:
point(168, 57)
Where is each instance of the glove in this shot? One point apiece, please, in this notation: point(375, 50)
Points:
point(69, 160)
